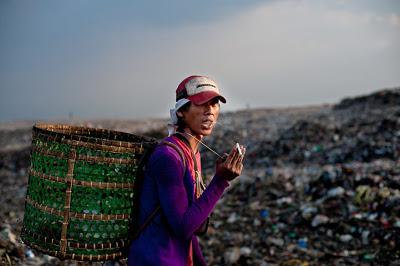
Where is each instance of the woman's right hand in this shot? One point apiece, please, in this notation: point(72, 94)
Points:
point(230, 165)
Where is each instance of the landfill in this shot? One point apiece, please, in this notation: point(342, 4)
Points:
point(321, 186)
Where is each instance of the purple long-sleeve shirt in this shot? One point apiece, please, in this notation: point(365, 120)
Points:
point(166, 239)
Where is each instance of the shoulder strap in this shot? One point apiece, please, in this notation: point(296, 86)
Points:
point(200, 187)
point(179, 150)
point(158, 208)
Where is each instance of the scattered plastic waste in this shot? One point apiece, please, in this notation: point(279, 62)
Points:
point(264, 213)
point(308, 212)
point(319, 219)
point(29, 254)
point(365, 237)
point(336, 192)
point(321, 186)
point(346, 238)
point(302, 243)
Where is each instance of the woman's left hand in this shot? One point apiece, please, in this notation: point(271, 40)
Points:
point(230, 165)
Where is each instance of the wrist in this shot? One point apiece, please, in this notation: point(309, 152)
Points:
point(222, 179)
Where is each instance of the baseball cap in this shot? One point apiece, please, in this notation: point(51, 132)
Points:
point(198, 89)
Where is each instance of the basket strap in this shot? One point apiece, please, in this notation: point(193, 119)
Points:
point(179, 150)
point(158, 208)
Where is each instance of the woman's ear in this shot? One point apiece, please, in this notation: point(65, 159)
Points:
point(179, 114)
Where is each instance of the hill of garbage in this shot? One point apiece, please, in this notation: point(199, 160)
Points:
point(321, 185)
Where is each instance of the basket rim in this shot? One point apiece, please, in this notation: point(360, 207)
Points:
point(101, 136)
point(86, 158)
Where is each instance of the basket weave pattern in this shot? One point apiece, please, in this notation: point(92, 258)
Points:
point(80, 193)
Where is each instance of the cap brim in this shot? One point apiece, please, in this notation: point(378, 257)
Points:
point(206, 96)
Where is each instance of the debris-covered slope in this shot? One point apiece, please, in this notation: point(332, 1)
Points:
point(321, 185)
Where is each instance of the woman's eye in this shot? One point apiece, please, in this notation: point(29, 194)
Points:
point(214, 103)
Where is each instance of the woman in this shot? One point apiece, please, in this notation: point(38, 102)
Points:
point(173, 206)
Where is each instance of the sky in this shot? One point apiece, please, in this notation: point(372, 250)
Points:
point(124, 59)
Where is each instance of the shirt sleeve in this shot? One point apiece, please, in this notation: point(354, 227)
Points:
point(184, 219)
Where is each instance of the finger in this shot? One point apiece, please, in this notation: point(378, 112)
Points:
point(243, 150)
point(241, 159)
point(238, 169)
point(236, 161)
point(236, 158)
point(222, 159)
point(231, 156)
point(243, 153)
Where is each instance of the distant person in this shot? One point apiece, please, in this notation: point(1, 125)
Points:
point(174, 204)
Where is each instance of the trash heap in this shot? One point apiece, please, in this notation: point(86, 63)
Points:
point(340, 214)
point(321, 186)
point(13, 184)
point(322, 189)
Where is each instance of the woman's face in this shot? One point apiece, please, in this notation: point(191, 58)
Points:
point(200, 119)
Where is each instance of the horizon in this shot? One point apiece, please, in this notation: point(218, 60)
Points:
point(74, 118)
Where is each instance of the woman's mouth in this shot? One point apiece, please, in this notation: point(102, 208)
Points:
point(207, 123)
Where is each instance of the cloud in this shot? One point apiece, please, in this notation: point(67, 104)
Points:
point(290, 53)
point(274, 54)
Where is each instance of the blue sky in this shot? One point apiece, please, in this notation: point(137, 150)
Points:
point(124, 59)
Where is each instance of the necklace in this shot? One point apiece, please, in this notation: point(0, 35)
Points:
point(202, 143)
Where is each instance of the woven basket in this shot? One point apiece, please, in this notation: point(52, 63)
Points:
point(79, 202)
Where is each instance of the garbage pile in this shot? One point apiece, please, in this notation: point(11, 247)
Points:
point(386, 97)
point(324, 189)
point(13, 184)
point(343, 214)
point(321, 186)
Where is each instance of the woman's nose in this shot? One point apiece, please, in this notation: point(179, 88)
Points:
point(207, 108)
point(211, 109)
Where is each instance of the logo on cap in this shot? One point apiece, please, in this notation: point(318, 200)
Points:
point(198, 89)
